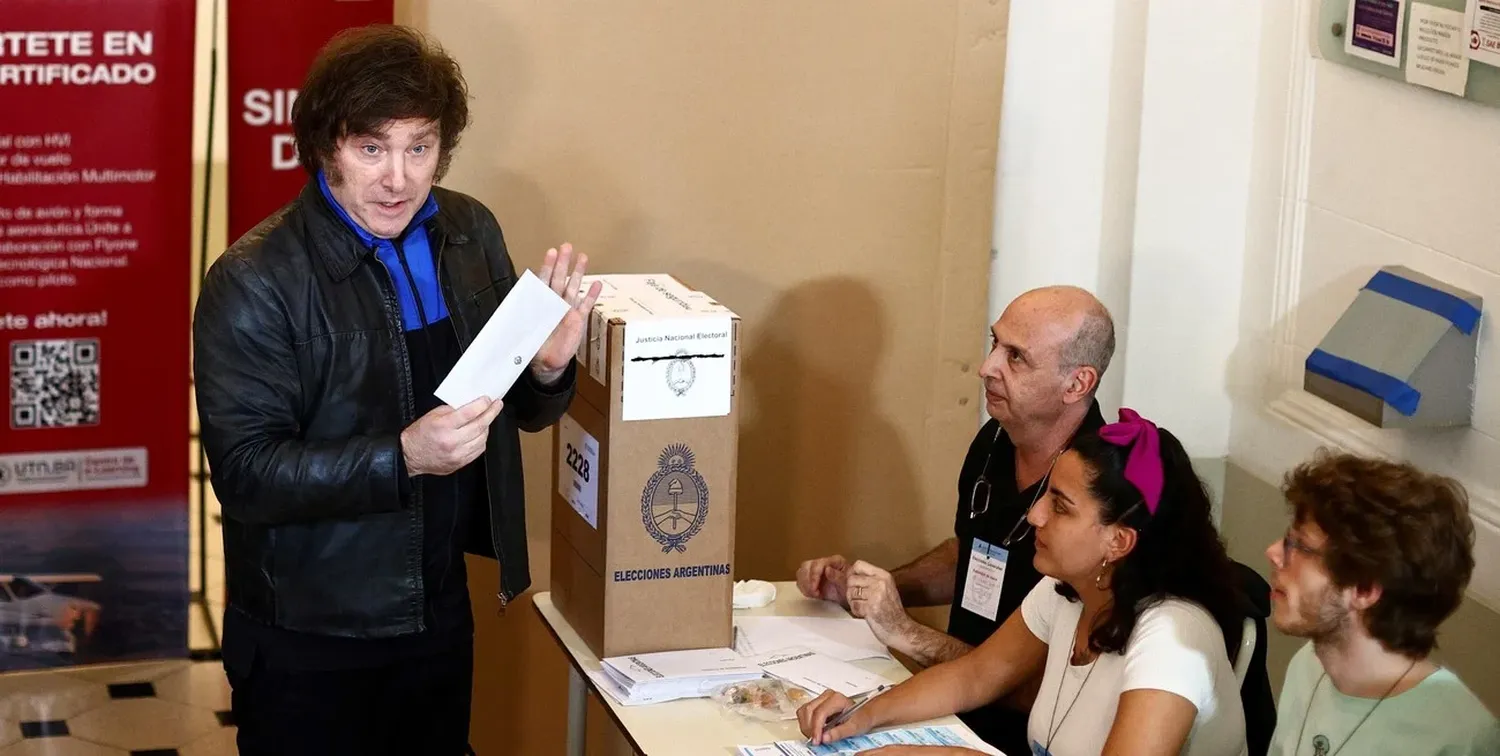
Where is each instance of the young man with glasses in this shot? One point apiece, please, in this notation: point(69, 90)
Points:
point(1050, 348)
point(1377, 557)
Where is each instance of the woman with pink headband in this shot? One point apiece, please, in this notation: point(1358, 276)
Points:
point(1128, 624)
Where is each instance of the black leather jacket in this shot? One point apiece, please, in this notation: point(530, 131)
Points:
point(303, 386)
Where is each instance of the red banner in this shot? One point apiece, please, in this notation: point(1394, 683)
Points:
point(95, 270)
point(271, 45)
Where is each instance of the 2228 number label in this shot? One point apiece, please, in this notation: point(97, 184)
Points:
point(578, 462)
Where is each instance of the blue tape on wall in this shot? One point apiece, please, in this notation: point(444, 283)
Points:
point(1461, 314)
point(1392, 390)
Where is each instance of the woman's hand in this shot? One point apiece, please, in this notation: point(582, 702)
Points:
point(814, 715)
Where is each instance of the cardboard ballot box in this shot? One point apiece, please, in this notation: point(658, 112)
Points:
point(643, 505)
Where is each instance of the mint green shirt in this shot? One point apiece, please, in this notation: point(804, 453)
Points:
point(1439, 717)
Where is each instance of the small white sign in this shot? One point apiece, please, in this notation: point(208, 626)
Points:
point(1436, 54)
point(1484, 31)
point(678, 368)
point(578, 469)
point(73, 471)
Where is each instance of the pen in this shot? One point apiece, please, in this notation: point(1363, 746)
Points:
point(843, 716)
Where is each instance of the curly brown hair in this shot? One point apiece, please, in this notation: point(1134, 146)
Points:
point(370, 75)
point(1390, 525)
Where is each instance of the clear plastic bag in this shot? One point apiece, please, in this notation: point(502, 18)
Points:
point(766, 699)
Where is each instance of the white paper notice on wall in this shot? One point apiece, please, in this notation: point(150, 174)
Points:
point(1374, 30)
point(1437, 53)
point(578, 469)
point(678, 368)
point(1484, 31)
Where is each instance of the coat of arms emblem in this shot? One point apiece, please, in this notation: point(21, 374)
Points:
point(674, 503)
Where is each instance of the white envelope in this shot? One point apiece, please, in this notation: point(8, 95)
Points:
point(507, 343)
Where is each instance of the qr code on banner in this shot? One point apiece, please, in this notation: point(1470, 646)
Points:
point(54, 383)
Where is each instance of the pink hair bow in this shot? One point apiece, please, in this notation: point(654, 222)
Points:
point(1143, 468)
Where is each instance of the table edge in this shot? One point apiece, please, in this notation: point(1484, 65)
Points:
point(588, 683)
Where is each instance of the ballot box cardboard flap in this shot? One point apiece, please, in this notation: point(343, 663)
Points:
point(643, 511)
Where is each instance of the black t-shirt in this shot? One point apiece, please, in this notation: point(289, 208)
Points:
point(994, 456)
point(447, 508)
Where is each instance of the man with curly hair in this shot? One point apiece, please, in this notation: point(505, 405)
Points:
point(350, 493)
point(1377, 556)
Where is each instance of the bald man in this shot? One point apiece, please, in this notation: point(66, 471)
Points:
point(1049, 350)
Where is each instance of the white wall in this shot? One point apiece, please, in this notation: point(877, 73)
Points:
point(1269, 186)
point(1193, 191)
point(1065, 184)
point(1124, 165)
point(1378, 173)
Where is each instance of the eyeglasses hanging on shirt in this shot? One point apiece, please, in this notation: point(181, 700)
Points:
point(985, 579)
point(983, 484)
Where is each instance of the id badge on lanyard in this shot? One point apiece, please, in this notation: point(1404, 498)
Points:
point(986, 576)
point(985, 579)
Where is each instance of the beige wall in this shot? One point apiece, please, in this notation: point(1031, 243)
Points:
point(824, 169)
point(1255, 515)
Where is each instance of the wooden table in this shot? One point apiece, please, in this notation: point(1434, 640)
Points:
point(698, 726)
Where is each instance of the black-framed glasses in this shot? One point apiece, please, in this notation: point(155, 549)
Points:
point(983, 485)
point(983, 488)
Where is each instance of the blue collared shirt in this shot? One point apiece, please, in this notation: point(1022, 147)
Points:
point(414, 245)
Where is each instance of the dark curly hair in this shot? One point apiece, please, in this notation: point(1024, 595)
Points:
point(1177, 554)
point(1395, 526)
point(369, 75)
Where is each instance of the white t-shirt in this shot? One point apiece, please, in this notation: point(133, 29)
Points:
point(1176, 647)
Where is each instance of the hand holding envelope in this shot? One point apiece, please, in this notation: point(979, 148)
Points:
point(539, 323)
point(535, 325)
point(444, 440)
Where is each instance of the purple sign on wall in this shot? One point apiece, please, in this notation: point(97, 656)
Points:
point(1375, 30)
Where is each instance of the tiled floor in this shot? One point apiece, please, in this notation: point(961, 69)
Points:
point(176, 708)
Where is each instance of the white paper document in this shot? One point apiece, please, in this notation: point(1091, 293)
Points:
point(578, 469)
point(815, 672)
point(616, 692)
point(1436, 52)
point(670, 675)
point(915, 736)
point(1484, 31)
point(677, 367)
point(506, 344)
point(844, 639)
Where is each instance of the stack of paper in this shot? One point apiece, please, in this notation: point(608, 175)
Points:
point(933, 736)
point(816, 672)
point(845, 639)
point(671, 675)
